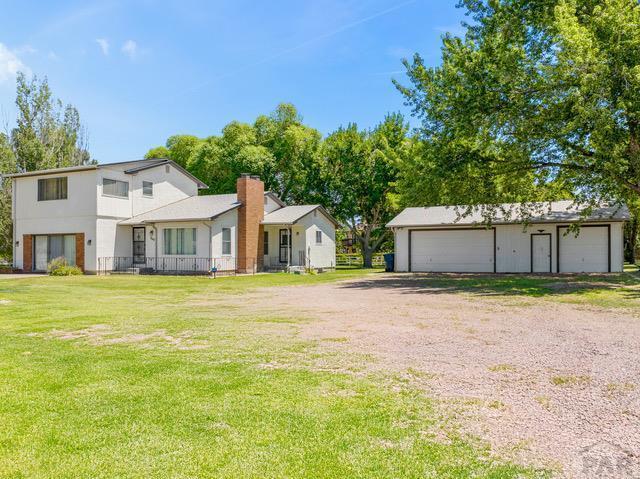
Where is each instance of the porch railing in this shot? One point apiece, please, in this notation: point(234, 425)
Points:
point(172, 265)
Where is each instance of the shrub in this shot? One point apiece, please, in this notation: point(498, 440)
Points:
point(60, 267)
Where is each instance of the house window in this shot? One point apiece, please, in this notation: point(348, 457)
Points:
point(147, 188)
point(266, 243)
point(179, 241)
point(115, 188)
point(226, 240)
point(318, 237)
point(52, 189)
point(50, 247)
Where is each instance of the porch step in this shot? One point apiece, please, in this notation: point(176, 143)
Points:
point(127, 271)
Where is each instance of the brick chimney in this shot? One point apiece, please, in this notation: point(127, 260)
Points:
point(250, 230)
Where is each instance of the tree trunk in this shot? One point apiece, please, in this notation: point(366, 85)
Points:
point(367, 256)
point(631, 239)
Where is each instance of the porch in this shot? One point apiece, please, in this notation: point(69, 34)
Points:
point(170, 265)
point(284, 248)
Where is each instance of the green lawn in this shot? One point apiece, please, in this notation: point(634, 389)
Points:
point(607, 290)
point(174, 377)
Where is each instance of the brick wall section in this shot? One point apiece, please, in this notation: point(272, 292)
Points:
point(250, 242)
point(80, 250)
point(27, 253)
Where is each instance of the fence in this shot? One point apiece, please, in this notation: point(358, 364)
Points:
point(358, 260)
point(173, 265)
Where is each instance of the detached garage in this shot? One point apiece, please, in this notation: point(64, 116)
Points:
point(439, 239)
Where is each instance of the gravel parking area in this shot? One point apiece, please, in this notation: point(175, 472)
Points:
point(548, 382)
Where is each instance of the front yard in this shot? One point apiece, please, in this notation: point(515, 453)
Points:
point(305, 376)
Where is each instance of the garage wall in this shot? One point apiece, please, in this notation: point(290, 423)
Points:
point(513, 247)
point(401, 249)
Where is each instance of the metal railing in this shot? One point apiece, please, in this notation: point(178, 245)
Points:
point(174, 265)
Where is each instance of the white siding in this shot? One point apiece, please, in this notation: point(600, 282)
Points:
point(167, 188)
point(401, 249)
point(113, 206)
point(270, 205)
point(76, 214)
point(319, 255)
point(227, 220)
point(513, 247)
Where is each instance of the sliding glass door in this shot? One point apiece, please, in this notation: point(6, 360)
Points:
point(49, 247)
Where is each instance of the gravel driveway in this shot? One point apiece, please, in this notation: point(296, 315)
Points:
point(545, 382)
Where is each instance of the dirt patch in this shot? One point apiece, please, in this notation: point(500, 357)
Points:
point(104, 335)
point(534, 378)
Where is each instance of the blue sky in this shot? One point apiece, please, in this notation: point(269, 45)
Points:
point(140, 71)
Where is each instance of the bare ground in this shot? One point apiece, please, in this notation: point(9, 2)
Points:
point(546, 382)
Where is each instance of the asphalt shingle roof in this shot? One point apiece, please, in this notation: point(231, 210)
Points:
point(288, 215)
point(507, 213)
point(192, 208)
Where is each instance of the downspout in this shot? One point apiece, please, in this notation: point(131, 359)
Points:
point(155, 244)
point(289, 256)
point(210, 227)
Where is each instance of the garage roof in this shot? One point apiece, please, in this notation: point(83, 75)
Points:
point(508, 213)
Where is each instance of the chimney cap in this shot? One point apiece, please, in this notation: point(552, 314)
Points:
point(255, 177)
point(245, 175)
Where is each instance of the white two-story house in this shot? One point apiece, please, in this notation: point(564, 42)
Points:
point(147, 215)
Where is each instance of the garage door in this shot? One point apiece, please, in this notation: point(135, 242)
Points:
point(462, 251)
point(587, 253)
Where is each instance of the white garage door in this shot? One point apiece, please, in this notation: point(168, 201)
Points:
point(587, 253)
point(462, 251)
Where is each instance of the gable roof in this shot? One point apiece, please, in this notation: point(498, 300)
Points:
point(128, 167)
point(507, 213)
point(153, 163)
point(275, 198)
point(193, 208)
point(290, 215)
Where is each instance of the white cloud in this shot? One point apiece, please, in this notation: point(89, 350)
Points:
point(27, 49)
point(130, 48)
point(104, 45)
point(10, 64)
point(52, 56)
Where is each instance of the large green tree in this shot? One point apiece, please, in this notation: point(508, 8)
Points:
point(360, 170)
point(538, 93)
point(47, 134)
point(278, 147)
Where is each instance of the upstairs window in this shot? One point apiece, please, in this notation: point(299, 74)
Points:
point(147, 188)
point(52, 189)
point(318, 237)
point(226, 240)
point(115, 188)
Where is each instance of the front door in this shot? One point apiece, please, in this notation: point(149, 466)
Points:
point(541, 253)
point(139, 248)
point(285, 246)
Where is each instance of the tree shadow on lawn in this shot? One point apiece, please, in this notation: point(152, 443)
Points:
point(534, 285)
